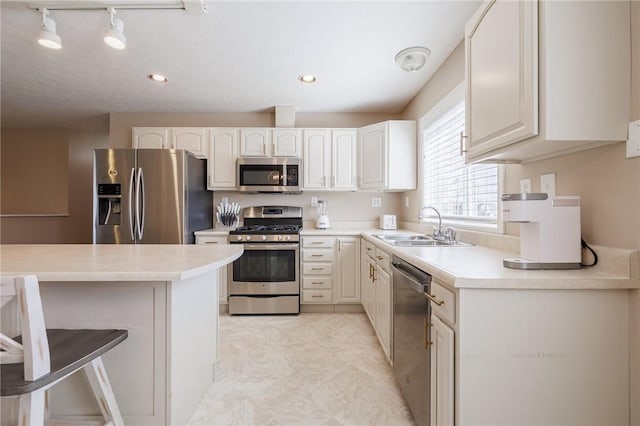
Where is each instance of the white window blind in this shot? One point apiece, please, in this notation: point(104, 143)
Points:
point(461, 192)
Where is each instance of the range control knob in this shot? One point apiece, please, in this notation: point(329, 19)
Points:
point(248, 237)
point(239, 238)
point(264, 237)
point(288, 237)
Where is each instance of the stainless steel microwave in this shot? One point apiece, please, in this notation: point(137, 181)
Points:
point(272, 174)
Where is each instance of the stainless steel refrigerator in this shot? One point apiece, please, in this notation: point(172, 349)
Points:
point(149, 196)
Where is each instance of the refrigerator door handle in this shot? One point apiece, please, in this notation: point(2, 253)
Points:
point(140, 203)
point(131, 182)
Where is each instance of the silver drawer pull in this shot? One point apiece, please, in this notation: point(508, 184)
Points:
point(317, 255)
point(434, 299)
point(317, 295)
point(316, 242)
point(380, 257)
point(211, 242)
point(317, 282)
point(317, 269)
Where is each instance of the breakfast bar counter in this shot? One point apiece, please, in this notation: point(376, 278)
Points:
point(164, 295)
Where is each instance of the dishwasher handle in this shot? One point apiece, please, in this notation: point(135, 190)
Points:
point(411, 271)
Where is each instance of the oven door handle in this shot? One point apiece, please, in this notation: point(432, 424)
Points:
point(270, 246)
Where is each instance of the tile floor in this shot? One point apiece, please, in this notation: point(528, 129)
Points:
point(312, 369)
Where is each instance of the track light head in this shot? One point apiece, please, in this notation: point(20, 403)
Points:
point(115, 34)
point(48, 36)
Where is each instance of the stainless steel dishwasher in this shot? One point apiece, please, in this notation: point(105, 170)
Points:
point(411, 337)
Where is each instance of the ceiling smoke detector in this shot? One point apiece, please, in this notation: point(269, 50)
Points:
point(412, 58)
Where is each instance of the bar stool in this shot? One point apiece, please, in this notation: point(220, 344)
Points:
point(40, 358)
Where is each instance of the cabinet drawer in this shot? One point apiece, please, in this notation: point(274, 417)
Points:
point(316, 296)
point(371, 250)
point(447, 310)
point(317, 255)
point(317, 283)
point(205, 239)
point(317, 242)
point(383, 259)
point(317, 268)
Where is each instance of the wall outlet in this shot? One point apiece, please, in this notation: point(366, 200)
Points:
point(376, 202)
point(548, 184)
point(525, 185)
point(314, 201)
point(225, 200)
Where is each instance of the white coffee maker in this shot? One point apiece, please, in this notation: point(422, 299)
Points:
point(549, 230)
point(323, 220)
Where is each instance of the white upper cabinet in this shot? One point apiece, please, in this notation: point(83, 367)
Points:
point(330, 159)
point(223, 152)
point(545, 78)
point(150, 137)
point(317, 158)
point(388, 155)
point(344, 159)
point(192, 139)
point(287, 143)
point(255, 142)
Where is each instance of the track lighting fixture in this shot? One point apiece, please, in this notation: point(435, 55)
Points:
point(115, 34)
point(48, 36)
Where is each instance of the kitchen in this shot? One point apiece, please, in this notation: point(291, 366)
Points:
point(607, 182)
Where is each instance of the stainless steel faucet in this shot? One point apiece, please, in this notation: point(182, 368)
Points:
point(447, 234)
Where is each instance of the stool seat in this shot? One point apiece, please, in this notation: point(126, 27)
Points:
point(69, 350)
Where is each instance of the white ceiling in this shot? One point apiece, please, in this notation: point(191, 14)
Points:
point(239, 57)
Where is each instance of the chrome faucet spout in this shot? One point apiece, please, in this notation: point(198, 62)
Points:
point(437, 232)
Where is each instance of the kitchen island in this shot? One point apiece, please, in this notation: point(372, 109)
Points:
point(164, 295)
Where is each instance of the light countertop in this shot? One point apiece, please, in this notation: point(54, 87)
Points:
point(481, 267)
point(114, 262)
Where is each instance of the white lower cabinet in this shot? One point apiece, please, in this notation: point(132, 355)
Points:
point(330, 270)
point(222, 272)
point(376, 293)
point(442, 355)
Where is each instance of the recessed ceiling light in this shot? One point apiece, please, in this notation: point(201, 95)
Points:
point(307, 78)
point(158, 78)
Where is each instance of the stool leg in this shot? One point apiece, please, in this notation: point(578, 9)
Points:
point(31, 411)
point(101, 387)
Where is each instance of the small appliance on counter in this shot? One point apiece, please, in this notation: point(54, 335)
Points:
point(323, 220)
point(549, 230)
point(388, 221)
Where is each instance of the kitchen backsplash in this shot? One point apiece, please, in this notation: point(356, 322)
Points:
point(341, 206)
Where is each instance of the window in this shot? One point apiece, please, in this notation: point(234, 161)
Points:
point(463, 194)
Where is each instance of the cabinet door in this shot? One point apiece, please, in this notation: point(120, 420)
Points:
point(150, 137)
point(344, 159)
point(442, 373)
point(192, 139)
point(501, 70)
point(222, 272)
point(373, 141)
point(364, 278)
point(286, 143)
point(255, 142)
point(368, 292)
point(223, 152)
point(316, 159)
point(384, 306)
point(347, 287)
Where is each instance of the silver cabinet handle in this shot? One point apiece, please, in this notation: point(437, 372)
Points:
point(462, 148)
point(140, 203)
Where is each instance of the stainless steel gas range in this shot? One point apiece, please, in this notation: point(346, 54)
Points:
point(266, 278)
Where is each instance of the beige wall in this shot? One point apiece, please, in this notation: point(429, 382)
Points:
point(76, 227)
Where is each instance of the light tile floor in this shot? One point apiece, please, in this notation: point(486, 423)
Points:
point(311, 369)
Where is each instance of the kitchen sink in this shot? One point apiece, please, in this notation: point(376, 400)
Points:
point(402, 240)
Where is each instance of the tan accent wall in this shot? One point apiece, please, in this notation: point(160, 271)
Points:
point(77, 226)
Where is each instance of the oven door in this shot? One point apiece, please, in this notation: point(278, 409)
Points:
point(266, 269)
